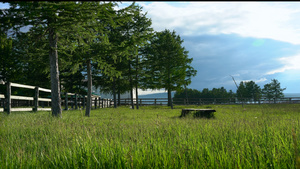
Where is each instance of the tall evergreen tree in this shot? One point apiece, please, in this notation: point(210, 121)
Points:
point(273, 90)
point(127, 37)
point(168, 65)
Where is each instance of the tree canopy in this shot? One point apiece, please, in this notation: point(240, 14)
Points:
point(167, 63)
point(273, 90)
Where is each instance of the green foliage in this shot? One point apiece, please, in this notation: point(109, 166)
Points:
point(273, 90)
point(252, 136)
point(9, 64)
point(206, 93)
point(168, 65)
point(249, 90)
point(127, 38)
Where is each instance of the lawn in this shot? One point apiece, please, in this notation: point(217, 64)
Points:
point(253, 136)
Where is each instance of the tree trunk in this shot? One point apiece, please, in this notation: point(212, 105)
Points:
point(114, 93)
point(54, 74)
point(131, 86)
point(89, 94)
point(137, 97)
point(119, 96)
point(186, 95)
point(170, 98)
point(136, 83)
point(169, 90)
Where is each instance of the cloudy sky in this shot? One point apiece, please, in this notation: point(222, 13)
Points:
point(256, 41)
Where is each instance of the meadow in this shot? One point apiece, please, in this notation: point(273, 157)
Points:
point(253, 136)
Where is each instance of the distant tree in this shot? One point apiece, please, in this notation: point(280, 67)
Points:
point(253, 91)
point(241, 91)
point(273, 90)
point(186, 94)
point(249, 90)
point(167, 63)
point(267, 92)
point(206, 93)
point(190, 94)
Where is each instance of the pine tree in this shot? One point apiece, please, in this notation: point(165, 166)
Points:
point(167, 63)
point(273, 90)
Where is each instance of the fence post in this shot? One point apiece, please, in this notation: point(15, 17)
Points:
point(66, 101)
point(95, 102)
point(79, 101)
point(99, 99)
point(83, 102)
point(8, 99)
point(36, 99)
point(3, 104)
point(76, 106)
point(72, 102)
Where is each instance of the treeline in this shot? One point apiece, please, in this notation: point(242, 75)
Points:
point(246, 91)
point(205, 93)
point(70, 46)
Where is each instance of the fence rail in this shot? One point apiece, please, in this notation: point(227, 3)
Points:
point(10, 103)
point(206, 101)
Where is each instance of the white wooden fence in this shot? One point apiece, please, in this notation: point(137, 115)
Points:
point(73, 100)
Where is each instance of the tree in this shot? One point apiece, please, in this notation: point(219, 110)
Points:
point(167, 63)
point(253, 91)
point(138, 32)
point(249, 90)
point(273, 90)
point(127, 37)
point(241, 91)
point(51, 18)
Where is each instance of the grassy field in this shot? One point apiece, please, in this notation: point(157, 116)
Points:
point(253, 136)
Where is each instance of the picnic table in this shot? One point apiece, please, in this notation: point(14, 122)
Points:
point(208, 113)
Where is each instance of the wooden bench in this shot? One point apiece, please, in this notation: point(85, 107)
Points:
point(207, 113)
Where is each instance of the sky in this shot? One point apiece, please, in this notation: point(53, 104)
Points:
point(256, 41)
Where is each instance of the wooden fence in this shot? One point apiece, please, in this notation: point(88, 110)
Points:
point(206, 101)
point(70, 101)
point(9, 102)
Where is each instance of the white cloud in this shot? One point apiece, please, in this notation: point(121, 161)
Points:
point(251, 19)
point(290, 63)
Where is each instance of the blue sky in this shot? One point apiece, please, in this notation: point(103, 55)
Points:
point(256, 41)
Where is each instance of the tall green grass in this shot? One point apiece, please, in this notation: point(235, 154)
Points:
point(253, 136)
